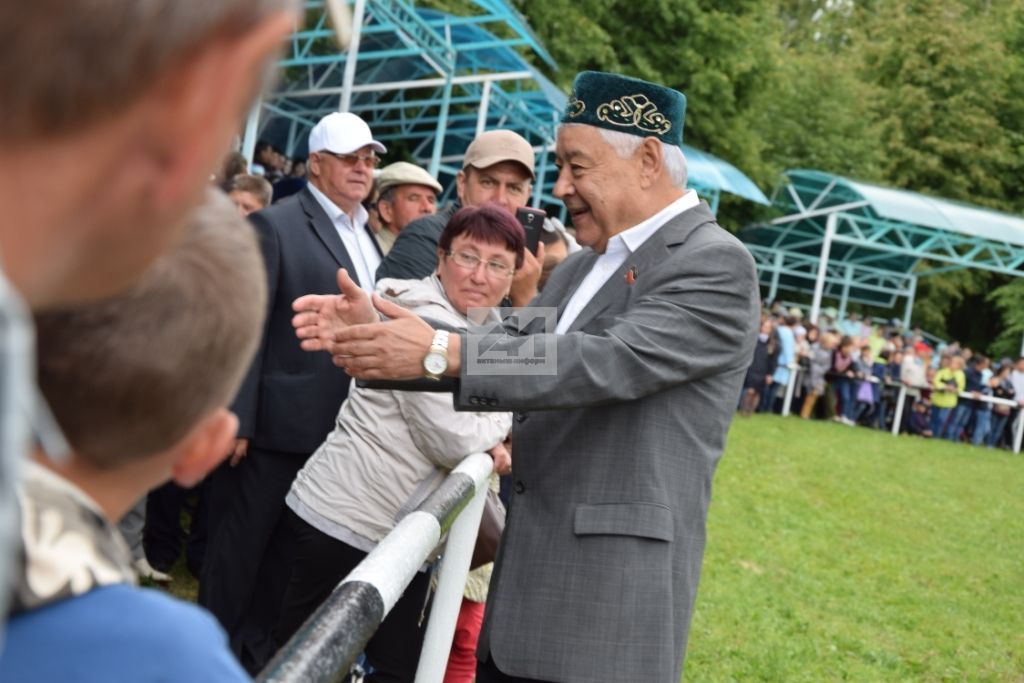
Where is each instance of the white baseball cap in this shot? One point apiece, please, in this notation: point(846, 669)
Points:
point(343, 133)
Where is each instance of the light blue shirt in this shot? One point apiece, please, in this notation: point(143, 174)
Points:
point(787, 354)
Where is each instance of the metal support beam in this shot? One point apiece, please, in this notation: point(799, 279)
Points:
point(910, 303)
point(485, 102)
point(819, 284)
point(442, 118)
point(542, 172)
point(844, 299)
point(252, 124)
point(773, 289)
point(353, 57)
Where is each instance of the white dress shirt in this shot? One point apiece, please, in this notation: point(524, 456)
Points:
point(619, 248)
point(356, 238)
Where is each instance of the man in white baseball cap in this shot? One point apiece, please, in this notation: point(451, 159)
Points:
point(407, 192)
point(287, 404)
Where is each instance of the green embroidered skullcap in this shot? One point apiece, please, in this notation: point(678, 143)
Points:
point(627, 105)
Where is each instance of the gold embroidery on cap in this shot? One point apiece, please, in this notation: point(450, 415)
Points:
point(575, 107)
point(634, 110)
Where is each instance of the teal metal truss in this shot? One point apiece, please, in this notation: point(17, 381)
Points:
point(858, 242)
point(432, 81)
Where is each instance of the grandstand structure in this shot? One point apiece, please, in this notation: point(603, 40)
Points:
point(858, 242)
point(428, 82)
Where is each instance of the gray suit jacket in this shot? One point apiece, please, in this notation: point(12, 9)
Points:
point(613, 463)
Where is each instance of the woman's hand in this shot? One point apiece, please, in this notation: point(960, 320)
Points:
point(502, 455)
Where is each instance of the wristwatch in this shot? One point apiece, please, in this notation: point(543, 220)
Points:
point(436, 360)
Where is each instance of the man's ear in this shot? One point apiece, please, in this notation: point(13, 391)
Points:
point(460, 186)
point(196, 108)
point(204, 448)
point(386, 212)
point(651, 159)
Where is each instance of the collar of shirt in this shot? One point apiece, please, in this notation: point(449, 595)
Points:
point(632, 238)
point(619, 248)
point(335, 213)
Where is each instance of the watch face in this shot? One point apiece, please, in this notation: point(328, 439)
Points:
point(435, 363)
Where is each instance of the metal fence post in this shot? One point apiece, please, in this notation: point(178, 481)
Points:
point(437, 643)
point(897, 417)
point(790, 387)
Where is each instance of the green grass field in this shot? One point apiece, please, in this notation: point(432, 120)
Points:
point(845, 554)
point(838, 553)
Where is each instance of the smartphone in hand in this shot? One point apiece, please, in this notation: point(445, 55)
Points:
point(532, 221)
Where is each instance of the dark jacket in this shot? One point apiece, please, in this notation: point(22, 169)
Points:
point(414, 253)
point(290, 398)
point(762, 365)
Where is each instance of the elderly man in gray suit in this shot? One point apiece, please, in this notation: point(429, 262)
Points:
point(616, 447)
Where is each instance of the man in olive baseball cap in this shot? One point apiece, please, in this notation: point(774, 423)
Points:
point(497, 168)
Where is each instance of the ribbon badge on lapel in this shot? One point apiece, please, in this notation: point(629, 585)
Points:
point(632, 274)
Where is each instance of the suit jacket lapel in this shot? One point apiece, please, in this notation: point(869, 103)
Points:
point(328, 234)
point(650, 253)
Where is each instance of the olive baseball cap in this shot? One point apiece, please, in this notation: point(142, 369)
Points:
point(494, 146)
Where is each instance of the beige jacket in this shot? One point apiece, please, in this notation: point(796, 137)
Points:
point(390, 449)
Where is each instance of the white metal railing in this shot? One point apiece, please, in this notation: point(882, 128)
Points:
point(326, 645)
point(1018, 425)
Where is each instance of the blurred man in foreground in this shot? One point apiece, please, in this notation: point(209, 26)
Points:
point(115, 114)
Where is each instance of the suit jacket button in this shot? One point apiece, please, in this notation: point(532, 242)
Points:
point(492, 402)
point(473, 400)
point(519, 487)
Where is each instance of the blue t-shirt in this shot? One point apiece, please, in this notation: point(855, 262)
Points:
point(118, 633)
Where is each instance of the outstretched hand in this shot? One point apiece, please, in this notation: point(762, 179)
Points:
point(319, 317)
point(383, 350)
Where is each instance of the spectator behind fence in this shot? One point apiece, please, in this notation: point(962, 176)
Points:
point(250, 193)
point(949, 381)
point(1002, 387)
point(787, 356)
point(113, 117)
point(391, 449)
point(139, 383)
point(864, 395)
point(497, 167)
point(820, 357)
point(618, 437)
point(289, 400)
point(759, 375)
point(844, 381)
point(963, 416)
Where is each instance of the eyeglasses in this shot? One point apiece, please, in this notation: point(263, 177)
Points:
point(371, 160)
point(471, 262)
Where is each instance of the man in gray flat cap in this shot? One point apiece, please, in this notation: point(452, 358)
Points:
point(407, 192)
point(616, 445)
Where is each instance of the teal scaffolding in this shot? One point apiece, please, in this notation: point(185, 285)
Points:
point(857, 242)
point(433, 81)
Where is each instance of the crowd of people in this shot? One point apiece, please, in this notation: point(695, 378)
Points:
point(852, 371)
point(190, 356)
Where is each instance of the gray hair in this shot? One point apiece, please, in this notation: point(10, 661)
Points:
point(67, 63)
point(626, 145)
